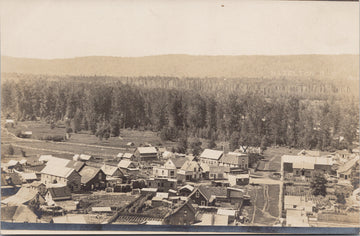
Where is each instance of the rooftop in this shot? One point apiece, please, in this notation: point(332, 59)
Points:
point(211, 191)
point(149, 190)
point(147, 150)
point(179, 161)
point(76, 165)
point(12, 163)
point(22, 196)
point(60, 192)
point(125, 164)
point(348, 165)
point(232, 158)
point(28, 176)
point(109, 170)
point(190, 166)
point(306, 162)
point(101, 209)
point(191, 188)
point(57, 170)
point(211, 154)
point(88, 173)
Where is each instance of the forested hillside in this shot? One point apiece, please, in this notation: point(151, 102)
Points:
point(324, 67)
point(297, 113)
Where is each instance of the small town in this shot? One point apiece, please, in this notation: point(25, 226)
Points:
point(180, 117)
point(151, 185)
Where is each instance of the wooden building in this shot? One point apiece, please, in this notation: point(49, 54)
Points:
point(92, 178)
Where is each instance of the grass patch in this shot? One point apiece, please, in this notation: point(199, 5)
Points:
point(274, 200)
point(104, 199)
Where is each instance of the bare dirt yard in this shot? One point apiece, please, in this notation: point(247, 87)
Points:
point(103, 199)
point(263, 209)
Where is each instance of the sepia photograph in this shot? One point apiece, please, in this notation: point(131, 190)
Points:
point(202, 116)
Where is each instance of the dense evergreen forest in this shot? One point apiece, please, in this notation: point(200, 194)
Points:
point(247, 112)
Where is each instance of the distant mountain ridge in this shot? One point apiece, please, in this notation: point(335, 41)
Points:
point(307, 66)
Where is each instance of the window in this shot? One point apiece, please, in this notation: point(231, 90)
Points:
point(162, 184)
point(162, 172)
point(149, 184)
point(158, 184)
point(202, 203)
point(171, 185)
point(100, 175)
point(197, 194)
point(172, 173)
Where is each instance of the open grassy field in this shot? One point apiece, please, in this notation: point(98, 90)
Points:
point(82, 142)
point(41, 128)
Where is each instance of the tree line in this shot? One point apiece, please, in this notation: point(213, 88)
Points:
point(242, 118)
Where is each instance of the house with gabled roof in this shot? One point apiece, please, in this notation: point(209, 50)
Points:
point(204, 195)
point(112, 171)
point(185, 214)
point(175, 163)
point(344, 171)
point(56, 171)
point(92, 178)
point(57, 193)
point(127, 165)
point(235, 160)
point(189, 171)
point(211, 157)
point(170, 167)
point(146, 153)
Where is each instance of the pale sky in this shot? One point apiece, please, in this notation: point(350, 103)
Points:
point(129, 28)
